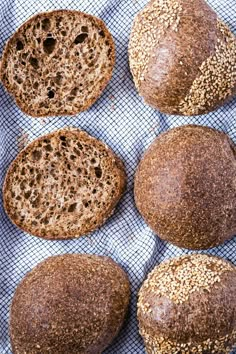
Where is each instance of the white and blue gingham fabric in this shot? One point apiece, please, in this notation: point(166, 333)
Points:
point(120, 119)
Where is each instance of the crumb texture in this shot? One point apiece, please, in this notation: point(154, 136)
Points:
point(69, 304)
point(58, 63)
point(187, 305)
point(185, 187)
point(64, 184)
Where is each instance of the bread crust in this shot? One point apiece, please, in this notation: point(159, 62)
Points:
point(51, 14)
point(114, 174)
point(187, 61)
point(198, 314)
point(185, 187)
point(73, 303)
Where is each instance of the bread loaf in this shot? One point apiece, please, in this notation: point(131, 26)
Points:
point(58, 63)
point(185, 187)
point(187, 305)
point(182, 57)
point(69, 304)
point(62, 185)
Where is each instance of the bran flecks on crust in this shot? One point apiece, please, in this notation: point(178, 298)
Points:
point(217, 77)
point(148, 28)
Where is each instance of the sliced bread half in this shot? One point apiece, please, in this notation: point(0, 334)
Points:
point(58, 63)
point(63, 185)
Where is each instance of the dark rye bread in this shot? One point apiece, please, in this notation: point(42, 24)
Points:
point(182, 57)
point(58, 63)
point(70, 304)
point(187, 305)
point(63, 185)
point(185, 187)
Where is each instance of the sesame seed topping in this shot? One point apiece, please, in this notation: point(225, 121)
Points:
point(217, 75)
point(149, 27)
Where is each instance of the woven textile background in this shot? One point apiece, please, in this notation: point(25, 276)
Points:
point(120, 119)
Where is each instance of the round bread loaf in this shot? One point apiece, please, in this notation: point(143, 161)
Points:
point(182, 57)
point(63, 185)
point(58, 63)
point(69, 304)
point(185, 187)
point(187, 305)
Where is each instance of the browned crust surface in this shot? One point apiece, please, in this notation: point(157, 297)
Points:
point(63, 185)
point(69, 304)
point(185, 187)
point(191, 65)
point(65, 103)
point(202, 322)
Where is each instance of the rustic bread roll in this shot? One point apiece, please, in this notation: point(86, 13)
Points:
point(187, 305)
point(63, 185)
point(182, 57)
point(58, 63)
point(185, 187)
point(69, 304)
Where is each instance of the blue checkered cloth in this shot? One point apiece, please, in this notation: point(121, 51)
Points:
point(120, 119)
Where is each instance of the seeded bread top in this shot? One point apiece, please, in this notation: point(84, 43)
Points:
point(189, 302)
point(58, 63)
point(62, 185)
point(182, 57)
point(69, 304)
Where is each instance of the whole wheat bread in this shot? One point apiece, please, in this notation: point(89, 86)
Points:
point(58, 63)
point(185, 187)
point(69, 304)
point(63, 185)
point(187, 305)
point(182, 57)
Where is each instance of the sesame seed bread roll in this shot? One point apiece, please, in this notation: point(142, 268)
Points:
point(58, 63)
point(63, 185)
point(187, 305)
point(185, 187)
point(69, 304)
point(182, 57)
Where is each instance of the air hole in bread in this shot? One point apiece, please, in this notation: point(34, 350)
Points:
point(72, 207)
point(48, 147)
point(58, 21)
point(45, 221)
point(102, 34)
point(98, 172)
point(51, 94)
point(19, 45)
point(84, 29)
point(38, 40)
point(27, 194)
point(93, 160)
point(36, 156)
point(18, 79)
point(94, 191)
point(64, 33)
point(49, 45)
point(35, 85)
point(74, 91)
point(73, 157)
point(79, 170)
point(63, 138)
point(80, 38)
point(46, 24)
point(38, 177)
point(58, 79)
point(34, 62)
point(23, 63)
point(86, 204)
